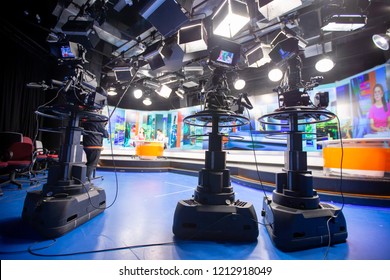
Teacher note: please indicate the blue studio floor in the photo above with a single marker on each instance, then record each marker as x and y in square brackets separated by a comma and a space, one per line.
[137, 225]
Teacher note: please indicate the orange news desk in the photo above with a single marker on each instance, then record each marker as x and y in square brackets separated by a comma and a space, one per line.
[361, 156]
[146, 149]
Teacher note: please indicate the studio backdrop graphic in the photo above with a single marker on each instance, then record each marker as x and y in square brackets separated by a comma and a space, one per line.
[350, 99]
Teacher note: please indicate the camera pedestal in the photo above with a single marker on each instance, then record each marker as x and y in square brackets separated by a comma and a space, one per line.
[213, 213]
[67, 200]
[295, 218]
[54, 216]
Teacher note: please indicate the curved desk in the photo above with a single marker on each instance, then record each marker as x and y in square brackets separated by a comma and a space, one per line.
[361, 156]
[149, 149]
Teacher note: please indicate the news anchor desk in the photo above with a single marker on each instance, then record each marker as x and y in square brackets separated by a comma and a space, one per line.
[361, 156]
[147, 149]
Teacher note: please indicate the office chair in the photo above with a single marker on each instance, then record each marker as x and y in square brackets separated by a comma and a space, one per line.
[42, 157]
[19, 162]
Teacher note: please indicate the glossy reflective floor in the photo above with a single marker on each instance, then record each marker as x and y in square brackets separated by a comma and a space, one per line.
[137, 225]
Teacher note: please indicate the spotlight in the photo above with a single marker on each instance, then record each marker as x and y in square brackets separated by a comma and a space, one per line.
[147, 101]
[112, 91]
[344, 22]
[230, 18]
[325, 64]
[275, 74]
[238, 83]
[193, 37]
[137, 93]
[382, 41]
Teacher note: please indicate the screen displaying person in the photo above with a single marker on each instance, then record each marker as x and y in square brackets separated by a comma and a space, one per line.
[379, 113]
[141, 135]
[161, 137]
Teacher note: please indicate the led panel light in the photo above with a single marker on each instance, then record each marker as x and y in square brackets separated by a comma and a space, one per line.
[271, 9]
[192, 38]
[124, 74]
[165, 15]
[230, 18]
[153, 56]
[344, 23]
[164, 91]
[193, 69]
[253, 55]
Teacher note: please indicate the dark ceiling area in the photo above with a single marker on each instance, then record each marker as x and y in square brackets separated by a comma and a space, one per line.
[123, 32]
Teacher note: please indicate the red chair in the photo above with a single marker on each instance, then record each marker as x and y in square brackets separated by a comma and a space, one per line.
[20, 161]
[42, 158]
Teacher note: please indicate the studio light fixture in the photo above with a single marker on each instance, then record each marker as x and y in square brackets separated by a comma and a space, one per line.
[275, 74]
[147, 101]
[166, 16]
[253, 55]
[382, 40]
[287, 33]
[137, 93]
[271, 9]
[124, 74]
[151, 84]
[81, 31]
[192, 37]
[344, 22]
[230, 18]
[193, 69]
[164, 91]
[258, 55]
[180, 92]
[238, 83]
[168, 78]
[156, 53]
[112, 91]
[325, 64]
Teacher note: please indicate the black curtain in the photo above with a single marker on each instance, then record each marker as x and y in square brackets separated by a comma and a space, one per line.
[23, 61]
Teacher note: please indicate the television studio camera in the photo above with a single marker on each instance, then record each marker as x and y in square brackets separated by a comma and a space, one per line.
[68, 199]
[213, 213]
[295, 218]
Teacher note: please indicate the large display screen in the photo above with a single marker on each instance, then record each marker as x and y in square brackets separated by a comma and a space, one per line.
[350, 99]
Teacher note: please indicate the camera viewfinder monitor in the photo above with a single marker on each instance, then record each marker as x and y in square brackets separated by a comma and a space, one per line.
[66, 52]
[69, 50]
[223, 52]
[225, 57]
